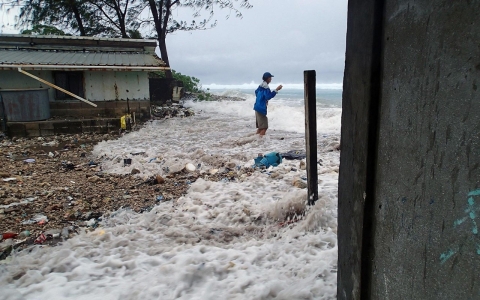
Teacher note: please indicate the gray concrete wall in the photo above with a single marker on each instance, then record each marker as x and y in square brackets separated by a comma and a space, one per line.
[413, 234]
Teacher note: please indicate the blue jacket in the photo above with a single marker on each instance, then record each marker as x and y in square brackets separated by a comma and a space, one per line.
[263, 94]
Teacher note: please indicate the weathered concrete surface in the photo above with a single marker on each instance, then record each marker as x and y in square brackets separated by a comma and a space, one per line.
[360, 95]
[108, 109]
[55, 127]
[416, 236]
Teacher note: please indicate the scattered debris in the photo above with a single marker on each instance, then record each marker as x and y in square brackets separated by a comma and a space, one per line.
[294, 154]
[9, 235]
[40, 239]
[299, 183]
[267, 160]
[303, 165]
[170, 111]
[66, 189]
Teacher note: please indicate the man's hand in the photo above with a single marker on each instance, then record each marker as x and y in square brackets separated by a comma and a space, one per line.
[279, 88]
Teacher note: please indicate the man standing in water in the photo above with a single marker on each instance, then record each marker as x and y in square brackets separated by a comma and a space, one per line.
[263, 94]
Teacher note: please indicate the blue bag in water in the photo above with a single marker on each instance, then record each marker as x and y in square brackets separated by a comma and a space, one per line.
[270, 159]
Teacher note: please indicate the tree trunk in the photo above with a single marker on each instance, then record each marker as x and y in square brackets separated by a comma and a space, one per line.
[158, 20]
[78, 18]
[121, 20]
[163, 52]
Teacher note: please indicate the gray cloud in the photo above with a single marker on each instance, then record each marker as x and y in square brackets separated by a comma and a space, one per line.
[279, 36]
[283, 37]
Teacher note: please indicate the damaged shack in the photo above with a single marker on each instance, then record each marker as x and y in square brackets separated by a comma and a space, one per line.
[64, 84]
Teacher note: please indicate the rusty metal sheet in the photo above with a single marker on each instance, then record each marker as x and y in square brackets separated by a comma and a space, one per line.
[24, 105]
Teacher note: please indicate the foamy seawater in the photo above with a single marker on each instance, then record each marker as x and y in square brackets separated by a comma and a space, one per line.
[222, 240]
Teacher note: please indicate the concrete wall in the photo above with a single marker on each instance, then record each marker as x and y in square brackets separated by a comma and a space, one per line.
[409, 186]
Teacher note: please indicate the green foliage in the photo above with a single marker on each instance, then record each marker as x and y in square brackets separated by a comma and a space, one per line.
[204, 96]
[111, 18]
[44, 30]
[190, 84]
[134, 34]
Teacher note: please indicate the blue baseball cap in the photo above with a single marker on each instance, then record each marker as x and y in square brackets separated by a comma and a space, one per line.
[267, 75]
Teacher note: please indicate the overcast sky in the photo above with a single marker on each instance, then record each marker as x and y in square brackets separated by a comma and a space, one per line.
[279, 36]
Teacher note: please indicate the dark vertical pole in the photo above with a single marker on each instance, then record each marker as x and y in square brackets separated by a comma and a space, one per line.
[311, 134]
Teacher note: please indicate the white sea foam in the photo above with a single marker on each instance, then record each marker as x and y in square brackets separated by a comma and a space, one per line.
[283, 114]
[253, 85]
[222, 240]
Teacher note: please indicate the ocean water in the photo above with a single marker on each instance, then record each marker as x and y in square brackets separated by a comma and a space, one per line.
[286, 111]
[222, 240]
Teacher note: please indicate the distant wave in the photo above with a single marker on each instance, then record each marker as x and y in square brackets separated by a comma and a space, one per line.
[253, 85]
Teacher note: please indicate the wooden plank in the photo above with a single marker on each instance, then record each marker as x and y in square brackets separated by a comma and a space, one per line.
[311, 135]
[56, 87]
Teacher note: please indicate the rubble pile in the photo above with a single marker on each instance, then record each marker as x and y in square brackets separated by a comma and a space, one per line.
[52, 184]
[170, 111]
[52, 188]
[211, 97]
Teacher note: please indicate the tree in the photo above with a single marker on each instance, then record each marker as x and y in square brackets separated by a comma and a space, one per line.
[111, 18]
[63, 14]
[164, 23]
[119, 17]
[44, 30]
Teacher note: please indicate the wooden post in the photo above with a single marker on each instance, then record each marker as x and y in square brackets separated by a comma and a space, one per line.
[311, 134]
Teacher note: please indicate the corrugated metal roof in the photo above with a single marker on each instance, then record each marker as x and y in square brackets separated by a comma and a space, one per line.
[68, 38]
[25, 58]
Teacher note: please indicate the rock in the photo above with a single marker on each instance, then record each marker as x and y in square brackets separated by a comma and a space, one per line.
[135, 171]
[303, 165]
[12, 209]
[334, 146]
[190, 167]
[231, 165]
[159, 179]
[274, 175]
[4, 174]
[297, 182]
[53, 207]
[94, 179]
[70, 216]
[213, 171]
